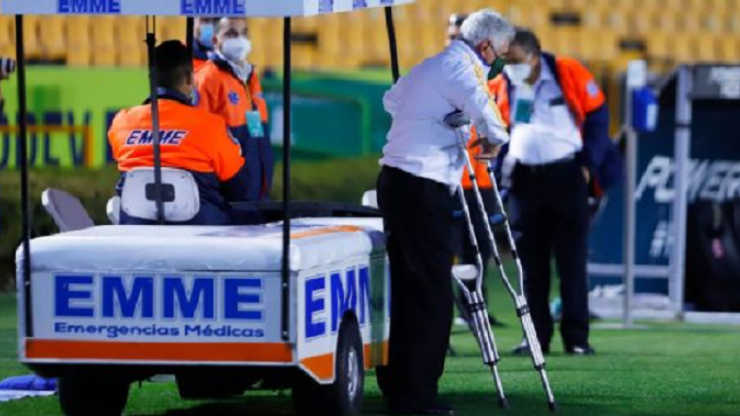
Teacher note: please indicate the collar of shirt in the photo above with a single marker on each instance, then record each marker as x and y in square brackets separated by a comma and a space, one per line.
[168, 94]
[470, 51]
[242, 71]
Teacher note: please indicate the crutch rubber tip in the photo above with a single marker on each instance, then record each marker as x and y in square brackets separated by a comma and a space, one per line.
[552, 406]
[504, 403]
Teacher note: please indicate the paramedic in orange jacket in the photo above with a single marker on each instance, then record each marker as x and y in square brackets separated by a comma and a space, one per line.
[558, 121]
[191, 139]
[230, 87]
[204, 39]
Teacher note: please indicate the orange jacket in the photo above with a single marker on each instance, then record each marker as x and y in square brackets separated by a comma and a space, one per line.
[190, 138]
[221, 92]
[198, 64]
[479, 167]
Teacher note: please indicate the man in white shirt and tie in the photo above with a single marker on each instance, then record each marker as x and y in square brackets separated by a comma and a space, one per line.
[421, 169]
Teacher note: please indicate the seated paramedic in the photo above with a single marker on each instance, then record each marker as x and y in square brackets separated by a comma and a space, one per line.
[204, 37]
[230, 87]
[191, 139]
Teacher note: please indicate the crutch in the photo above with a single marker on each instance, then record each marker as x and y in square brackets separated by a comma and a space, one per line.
[499, 219]
[470, 280]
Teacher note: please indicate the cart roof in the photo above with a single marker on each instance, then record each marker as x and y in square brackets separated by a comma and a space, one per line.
[250, 8]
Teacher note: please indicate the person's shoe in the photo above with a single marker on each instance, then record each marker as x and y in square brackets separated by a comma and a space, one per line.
[523, 349]
[495, 322]
[437, 409]
[580, 350]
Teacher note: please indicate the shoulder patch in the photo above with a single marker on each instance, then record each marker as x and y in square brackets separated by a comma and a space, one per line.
[233, 98]
[592, 89]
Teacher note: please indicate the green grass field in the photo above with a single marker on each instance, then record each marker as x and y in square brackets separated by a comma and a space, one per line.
[668, 369]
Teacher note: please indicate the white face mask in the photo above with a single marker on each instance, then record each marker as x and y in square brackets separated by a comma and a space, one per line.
[236, 49]
[518, 73]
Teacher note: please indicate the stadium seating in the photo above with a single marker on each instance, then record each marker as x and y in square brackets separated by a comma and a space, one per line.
[665, 32]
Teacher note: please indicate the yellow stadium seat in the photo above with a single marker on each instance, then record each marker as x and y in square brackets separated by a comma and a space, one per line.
[732, 24]
[659, 45]
[595, 18]
[78, 41]
[51, 37]
[104, 48]
[131, 36]
[728, 49]
[705, 48]
[31, 37]
[174, 28]
[711, 22]
[7, 35]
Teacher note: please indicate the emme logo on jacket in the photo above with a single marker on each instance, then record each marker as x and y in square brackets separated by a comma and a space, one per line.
[166, 137]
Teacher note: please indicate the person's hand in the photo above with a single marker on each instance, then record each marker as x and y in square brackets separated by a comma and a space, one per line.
[586, 174]
[487, 150]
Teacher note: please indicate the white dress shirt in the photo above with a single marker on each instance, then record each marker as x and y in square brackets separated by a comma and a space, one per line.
[419, 142]
[551, 133]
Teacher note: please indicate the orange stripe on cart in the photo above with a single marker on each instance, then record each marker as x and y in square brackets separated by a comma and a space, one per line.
[325, 231]
[153, 351]
[322, 366]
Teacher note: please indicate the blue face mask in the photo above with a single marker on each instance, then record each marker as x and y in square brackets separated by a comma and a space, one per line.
[206, 35]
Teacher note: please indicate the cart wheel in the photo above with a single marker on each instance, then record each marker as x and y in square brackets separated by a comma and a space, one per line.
[83, 393]
[344, 396]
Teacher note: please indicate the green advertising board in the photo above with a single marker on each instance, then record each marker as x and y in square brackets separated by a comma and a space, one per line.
[71, 109]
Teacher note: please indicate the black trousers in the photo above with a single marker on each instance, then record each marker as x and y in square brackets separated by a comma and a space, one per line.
[419, 224]
[548, 209]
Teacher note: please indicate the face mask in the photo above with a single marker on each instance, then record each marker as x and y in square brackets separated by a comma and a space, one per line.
[497, 67]
[236, 49]
[518, 73]
[206, 35]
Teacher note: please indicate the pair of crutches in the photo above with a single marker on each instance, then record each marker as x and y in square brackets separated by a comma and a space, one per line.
[470, 277]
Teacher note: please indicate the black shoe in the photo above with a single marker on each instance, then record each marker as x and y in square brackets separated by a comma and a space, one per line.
[495, 322]
[437, 409]
[523, 349]
[580, 350]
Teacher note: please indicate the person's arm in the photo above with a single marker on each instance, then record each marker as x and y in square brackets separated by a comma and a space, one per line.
[390, 98]
[207, 92]
[595, 130]
[229, 165]
[467, 90]
[255, 90]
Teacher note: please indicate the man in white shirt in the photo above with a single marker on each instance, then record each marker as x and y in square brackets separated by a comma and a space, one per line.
[422, 166]
[559, 145]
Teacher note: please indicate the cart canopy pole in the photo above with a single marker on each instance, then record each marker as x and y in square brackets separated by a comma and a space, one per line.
[189, 35]
[23, 149]
[392, 43]
[286, 178]
[151, 41]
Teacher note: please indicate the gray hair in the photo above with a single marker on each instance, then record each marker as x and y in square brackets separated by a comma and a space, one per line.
[487, 25]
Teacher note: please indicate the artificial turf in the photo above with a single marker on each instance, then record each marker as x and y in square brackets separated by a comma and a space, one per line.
[666, 369]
